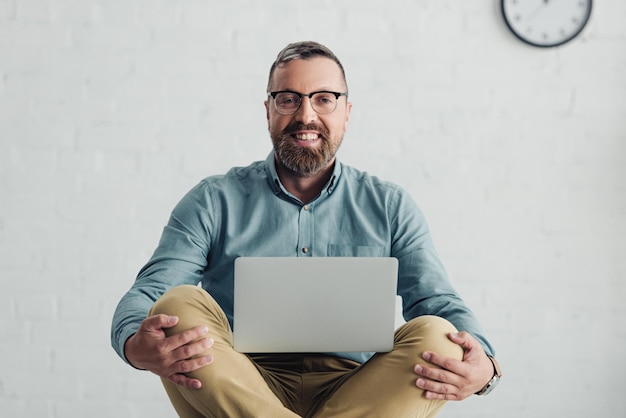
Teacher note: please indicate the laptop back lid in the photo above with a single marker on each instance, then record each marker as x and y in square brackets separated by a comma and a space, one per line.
[314, 304]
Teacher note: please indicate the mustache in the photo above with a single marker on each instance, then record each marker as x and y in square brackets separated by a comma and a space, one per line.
[297, 126]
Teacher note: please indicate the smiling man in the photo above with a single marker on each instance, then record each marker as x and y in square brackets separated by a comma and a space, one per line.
[306, 138]
[182, 332]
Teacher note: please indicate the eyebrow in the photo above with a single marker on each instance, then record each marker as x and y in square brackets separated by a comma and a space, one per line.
[328, 89]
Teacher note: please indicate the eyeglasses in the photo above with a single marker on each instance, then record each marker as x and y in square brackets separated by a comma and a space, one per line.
[288, 102]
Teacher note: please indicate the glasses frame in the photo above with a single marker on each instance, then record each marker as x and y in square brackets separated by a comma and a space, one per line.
[337, 95]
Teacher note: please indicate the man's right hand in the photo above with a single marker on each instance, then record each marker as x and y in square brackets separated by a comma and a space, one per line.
[169, 357]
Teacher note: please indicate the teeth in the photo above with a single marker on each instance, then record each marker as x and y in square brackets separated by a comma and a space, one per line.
[306, 137]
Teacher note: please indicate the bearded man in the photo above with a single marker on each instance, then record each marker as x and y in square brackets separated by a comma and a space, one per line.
[299, 202]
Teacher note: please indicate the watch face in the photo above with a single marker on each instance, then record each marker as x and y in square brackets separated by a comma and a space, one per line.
[546, 23]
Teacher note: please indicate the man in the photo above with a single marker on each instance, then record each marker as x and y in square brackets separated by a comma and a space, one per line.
[299, 202]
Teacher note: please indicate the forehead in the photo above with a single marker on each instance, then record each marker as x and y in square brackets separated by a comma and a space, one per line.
[307, 75]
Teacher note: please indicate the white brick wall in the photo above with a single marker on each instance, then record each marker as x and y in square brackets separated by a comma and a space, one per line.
[111, 110]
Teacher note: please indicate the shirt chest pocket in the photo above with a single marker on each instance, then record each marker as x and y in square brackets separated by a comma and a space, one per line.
[335, 250]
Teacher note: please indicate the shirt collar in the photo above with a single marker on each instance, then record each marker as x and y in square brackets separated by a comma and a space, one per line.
[277, 186]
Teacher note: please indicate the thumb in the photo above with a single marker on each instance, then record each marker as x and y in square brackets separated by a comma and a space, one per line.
[456, 338]
[157, 322]
[471, 347]
[463, 339]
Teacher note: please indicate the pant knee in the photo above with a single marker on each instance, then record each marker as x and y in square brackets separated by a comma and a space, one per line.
[193, 306]
[429, 333]
[431, 324]
[172, 300]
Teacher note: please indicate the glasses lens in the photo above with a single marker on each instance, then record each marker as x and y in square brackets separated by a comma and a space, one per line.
[324, 102]
[287, 103]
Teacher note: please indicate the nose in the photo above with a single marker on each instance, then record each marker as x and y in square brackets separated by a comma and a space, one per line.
[305, 113]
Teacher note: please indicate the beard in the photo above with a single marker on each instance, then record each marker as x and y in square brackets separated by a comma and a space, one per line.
[304, 161]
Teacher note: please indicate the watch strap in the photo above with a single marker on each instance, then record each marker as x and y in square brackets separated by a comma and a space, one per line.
[491, 384]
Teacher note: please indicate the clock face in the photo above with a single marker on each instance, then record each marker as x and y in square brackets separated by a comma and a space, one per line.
[546, 23]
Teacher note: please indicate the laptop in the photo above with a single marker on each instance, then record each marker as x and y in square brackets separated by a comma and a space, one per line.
[314, 304]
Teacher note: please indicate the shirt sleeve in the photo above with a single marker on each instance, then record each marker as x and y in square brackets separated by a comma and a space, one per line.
[423, 282]
[180, 258]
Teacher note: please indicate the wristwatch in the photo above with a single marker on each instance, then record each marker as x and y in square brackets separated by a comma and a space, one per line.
[497, 374]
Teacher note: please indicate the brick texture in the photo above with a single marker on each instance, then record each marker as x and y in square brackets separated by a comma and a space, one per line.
[111, 110]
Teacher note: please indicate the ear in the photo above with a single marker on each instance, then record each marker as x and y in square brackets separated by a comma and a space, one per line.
[267, 112]
[348, 109]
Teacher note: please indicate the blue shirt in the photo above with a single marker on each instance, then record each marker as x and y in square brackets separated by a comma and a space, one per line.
[248, 212]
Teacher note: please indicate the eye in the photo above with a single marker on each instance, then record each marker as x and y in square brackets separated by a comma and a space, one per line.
[286, 99]
[324, 98]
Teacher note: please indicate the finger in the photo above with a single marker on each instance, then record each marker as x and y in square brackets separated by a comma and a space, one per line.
[437, 390]
[463, 339]
[445, 362]
[184, 381]
[178, 340]
[157, 322]
[193, 364]
[437, 375]
[193, 349]
[456, 337]
[188, 366]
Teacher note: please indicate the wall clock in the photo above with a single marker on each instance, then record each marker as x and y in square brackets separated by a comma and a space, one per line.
[546, 23]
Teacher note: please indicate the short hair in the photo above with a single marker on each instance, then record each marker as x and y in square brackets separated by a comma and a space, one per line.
[304, 50]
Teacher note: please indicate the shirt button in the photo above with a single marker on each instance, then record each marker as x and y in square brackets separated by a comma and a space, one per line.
[305, 250]
[305, 207]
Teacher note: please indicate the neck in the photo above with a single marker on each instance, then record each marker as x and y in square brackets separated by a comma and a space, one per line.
[305, 188]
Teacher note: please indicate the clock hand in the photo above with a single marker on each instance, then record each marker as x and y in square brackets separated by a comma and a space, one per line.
[539, 9]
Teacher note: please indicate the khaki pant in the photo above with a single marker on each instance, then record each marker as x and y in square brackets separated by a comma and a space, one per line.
[237, 385]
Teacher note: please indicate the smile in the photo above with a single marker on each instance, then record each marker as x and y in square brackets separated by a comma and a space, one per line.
[306, 136]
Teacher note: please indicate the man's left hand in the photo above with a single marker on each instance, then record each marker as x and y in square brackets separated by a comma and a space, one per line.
[455, 380]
